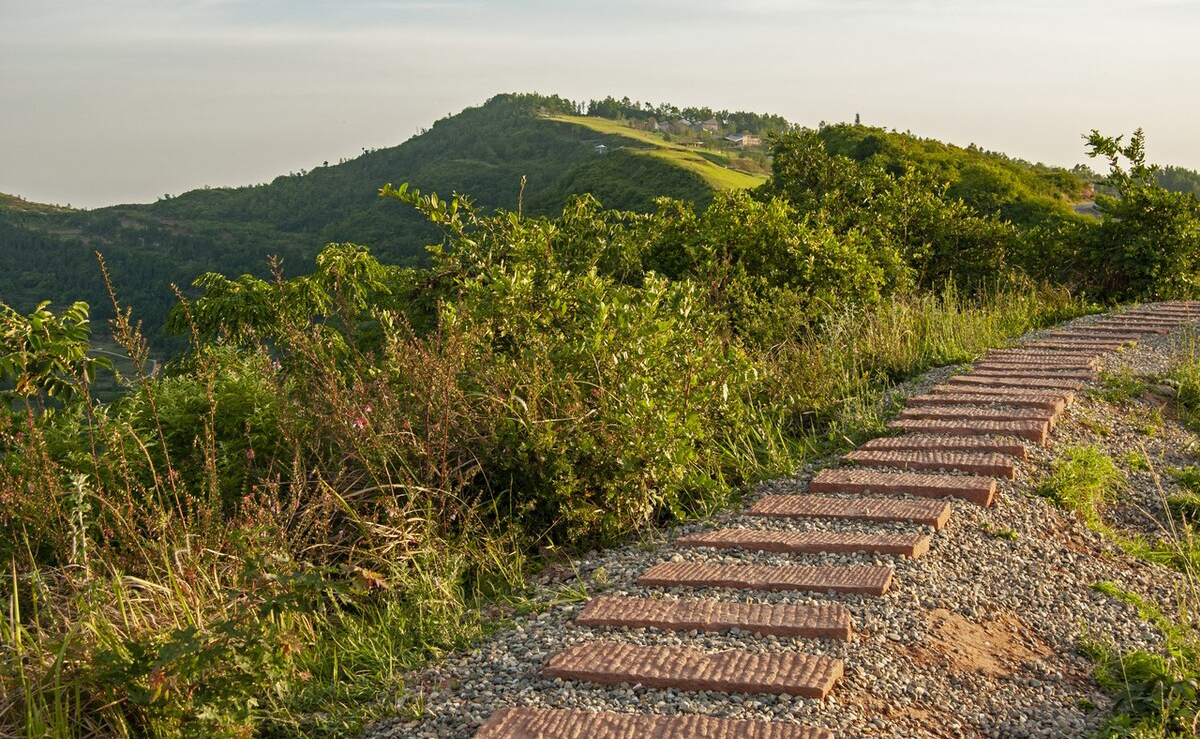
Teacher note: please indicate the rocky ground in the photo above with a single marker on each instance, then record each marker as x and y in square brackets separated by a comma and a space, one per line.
[976, 639]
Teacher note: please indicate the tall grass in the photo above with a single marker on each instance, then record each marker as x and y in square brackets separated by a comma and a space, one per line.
[267, 542]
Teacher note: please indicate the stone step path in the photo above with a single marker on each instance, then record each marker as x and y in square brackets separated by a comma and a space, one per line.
[1066, 397]
[548, 723]
[970, 413]
[613, 663]
[859, 579]
[882, 510]
[962, 435]
[810, 542]
[921, 443]
[978, 490]
[976, 463]
[829, 620]
[1018, 399]
[1035, 431]
[1043, 383]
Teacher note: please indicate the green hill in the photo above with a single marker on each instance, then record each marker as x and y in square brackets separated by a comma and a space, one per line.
[484, 151]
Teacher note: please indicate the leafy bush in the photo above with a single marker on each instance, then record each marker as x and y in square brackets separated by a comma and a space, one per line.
[1148, 243]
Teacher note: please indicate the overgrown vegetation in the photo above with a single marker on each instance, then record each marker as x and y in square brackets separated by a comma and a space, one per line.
[346, 462]
[1157, 693]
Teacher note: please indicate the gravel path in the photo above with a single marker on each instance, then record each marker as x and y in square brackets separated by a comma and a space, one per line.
[976, 639]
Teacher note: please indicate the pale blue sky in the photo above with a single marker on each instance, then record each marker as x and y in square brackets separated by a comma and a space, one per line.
[106, 101]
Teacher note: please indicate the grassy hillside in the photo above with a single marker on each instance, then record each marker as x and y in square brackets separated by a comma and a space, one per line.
[484, 151]
[714, 168]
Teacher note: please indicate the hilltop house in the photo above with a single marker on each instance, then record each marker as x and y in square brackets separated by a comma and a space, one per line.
[712, 125]
[742, 140]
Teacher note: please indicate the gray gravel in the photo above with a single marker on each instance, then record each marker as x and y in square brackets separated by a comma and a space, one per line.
[1020, 574]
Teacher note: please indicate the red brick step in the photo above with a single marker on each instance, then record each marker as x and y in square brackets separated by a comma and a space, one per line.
[613, 663]
[810, 542]
[551, 723]
[830, 620]
[933, 513]
[1140, 328]
[957, 413]
[978, 490]
[1032, 430]
[1041, 383]
[1090, 334]
[1019, 399]
[997, 465]
[862, 579]
[946, 443]
[1035, 374]
[1066, 396]
[1063, 344]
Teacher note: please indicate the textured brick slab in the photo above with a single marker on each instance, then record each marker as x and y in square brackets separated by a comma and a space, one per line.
[1146, 321]
[1047, 353]
[1021, 400]
[1030, 382]
[1061, 360]
[947, 443]
[933, 513]
[976, 463]
[732, 671]
[810, 542]
[830, 620]
[979, 490]
[1031, 368]
[1035, 374]
[1139, 328]
[956, 413]
[550, 723]
[861, 579]
[1062, 344]
[1066, 396]
[1041, 361]
[1092, 334]
[1032, 430]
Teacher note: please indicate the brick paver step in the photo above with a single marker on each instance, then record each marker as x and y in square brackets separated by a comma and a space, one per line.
[1064, 344]
[978, 490]
[997, 465]
[1031, 368]
[1140, 328]
[1145, 320]
[863, 579]
[1041, 360]
[996, 445]
[1171, 311]
[1021, 400]
[731, 671]
[1035, 374]
[1032, 430]
[810, 542]
[1035, 357]
[1066, 396]
[1042, 383]
[553, 723]
[1092, 334]
[933, 513]
[830, 620]
[1047, 353]
[955, 413]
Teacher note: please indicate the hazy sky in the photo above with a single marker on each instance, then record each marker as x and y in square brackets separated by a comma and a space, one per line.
[107, 101]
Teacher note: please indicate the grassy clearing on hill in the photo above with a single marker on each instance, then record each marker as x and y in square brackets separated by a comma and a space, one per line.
[712, 166]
